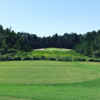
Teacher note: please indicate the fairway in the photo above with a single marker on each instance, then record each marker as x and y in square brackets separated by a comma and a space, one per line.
[44, 72]
[49, 80]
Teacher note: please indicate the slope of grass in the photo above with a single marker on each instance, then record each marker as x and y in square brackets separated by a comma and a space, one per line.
[56, 49]
[49, 70]
[54, 52]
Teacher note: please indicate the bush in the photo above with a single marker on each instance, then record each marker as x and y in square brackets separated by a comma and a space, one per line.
[78, 59]
[81, 59]
[67, 58]
[59, 59]
[8, 58]
[27, 58]
[52, 57]
[91, 60]
[11, 50]
[36, 57]
[98, 60]
[75, 59]
[17, 58]
[2, 58]
[64, 58]
[44, 57]
[2, 51]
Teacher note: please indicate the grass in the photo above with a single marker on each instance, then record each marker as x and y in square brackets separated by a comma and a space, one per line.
[12, 98]
[56, 49]
[49, 80]
[47, 52]
[44, 72]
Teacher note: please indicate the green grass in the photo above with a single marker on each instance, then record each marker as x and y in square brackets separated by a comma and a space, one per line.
[56, 49]
[53, 52]
[49, 80]
[12, 98]
[44, 72]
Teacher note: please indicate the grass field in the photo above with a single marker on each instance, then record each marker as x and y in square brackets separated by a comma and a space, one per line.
[49, 80]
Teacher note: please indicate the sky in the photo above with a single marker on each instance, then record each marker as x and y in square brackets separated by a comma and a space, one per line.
[47, 17]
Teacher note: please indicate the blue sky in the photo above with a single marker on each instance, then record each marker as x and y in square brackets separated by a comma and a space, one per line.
[47, 17]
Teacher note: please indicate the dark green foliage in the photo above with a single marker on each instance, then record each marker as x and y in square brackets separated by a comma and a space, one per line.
[2, 51]
[27, 58]
[64, 58]
[44, 57]
[96, 53]
[98, 60]
[90, 45]
[11, 50]
[82, 59]
[3, 59]
[9, 58]
[17, 58]
[37, 57]
[91, 59]
[87, 44]
[78, 59]
[10, 40]
[75, 59]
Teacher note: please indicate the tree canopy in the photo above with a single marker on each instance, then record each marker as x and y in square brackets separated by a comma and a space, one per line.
[87, 44]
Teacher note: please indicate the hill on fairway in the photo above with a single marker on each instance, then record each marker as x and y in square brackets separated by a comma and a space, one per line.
[53, 49]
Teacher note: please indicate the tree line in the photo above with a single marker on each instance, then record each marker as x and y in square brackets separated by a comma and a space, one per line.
[87, 44]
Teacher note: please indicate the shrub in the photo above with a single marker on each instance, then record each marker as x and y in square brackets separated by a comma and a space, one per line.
[11, 50]
[27, 58]
[91, 60]
[81, 59]
[59, 59]
[98, 60]
[64, 58]
[78, 59]
[67, 58]
[2, 58]
[44, 57]
[3, 51]
[17, 58]
[12, 54]
[36, 57]
[52, 57]
[8, 58]
[75, 59]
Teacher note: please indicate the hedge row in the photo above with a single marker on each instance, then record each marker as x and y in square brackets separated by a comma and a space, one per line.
[9, 58]
[56, 58]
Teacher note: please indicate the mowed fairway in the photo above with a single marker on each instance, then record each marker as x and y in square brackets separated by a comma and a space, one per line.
[49, 80]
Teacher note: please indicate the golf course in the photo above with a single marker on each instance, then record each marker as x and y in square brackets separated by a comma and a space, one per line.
[57, 67]
[49, 80]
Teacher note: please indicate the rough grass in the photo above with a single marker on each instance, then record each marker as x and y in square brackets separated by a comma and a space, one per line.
[87, 86]
[53, 52]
